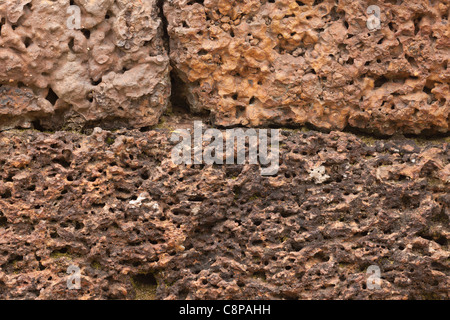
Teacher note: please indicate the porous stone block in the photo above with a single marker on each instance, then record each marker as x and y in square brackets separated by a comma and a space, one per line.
[111, 70]
[114, 205]
[326, 63]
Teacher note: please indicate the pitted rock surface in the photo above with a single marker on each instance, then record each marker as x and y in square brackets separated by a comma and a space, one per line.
[113, 71]
[295, 62]
[139, 226]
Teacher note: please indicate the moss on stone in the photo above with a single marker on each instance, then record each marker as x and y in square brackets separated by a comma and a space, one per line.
[145, 286]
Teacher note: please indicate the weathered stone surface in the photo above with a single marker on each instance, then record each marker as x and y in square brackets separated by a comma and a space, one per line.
[140, 227]
[282, 62]
[113, 72]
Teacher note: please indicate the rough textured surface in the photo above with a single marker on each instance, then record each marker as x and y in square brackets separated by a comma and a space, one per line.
[258, 62]
[140, 227]
[113, 72]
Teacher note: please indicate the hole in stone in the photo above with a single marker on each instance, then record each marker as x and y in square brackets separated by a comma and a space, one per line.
[86, 33]
[27, 42]
[51, 97]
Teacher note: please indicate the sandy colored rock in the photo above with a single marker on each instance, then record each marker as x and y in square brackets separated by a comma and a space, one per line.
[139, 226]
[295, 62]
[112, 71]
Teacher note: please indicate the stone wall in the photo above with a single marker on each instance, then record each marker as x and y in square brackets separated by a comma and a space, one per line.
[86, 179]
[250, 63]
[140, 227]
